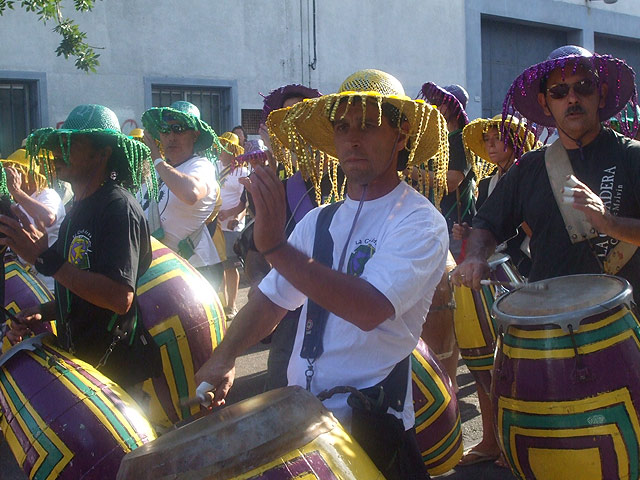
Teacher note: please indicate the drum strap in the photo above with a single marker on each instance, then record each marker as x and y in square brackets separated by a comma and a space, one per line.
[316, 315]
[558, 166]
[578, 227]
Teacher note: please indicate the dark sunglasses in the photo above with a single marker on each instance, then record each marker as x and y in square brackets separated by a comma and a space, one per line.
[584, 88]
[175, 128]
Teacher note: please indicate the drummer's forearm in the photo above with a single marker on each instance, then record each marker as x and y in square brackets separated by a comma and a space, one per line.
[480, 244]
[623, 228]
[255, 321]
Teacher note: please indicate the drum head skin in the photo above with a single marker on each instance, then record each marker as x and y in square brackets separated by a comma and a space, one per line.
[562, 300]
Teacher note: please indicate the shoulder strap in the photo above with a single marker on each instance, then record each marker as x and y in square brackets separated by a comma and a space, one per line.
[558, 167]
[299, 202]
[316, 315]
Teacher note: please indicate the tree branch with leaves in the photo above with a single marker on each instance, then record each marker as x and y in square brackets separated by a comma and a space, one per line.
[73, 41]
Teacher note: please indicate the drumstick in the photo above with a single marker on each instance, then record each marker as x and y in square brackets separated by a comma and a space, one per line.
[528, 286]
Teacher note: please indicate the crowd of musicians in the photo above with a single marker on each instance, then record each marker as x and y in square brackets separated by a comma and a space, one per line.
[341, 292]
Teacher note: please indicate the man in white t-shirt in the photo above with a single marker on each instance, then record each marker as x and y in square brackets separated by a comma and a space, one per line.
[187, 190]
[42, 204]
[388, 246]
[232, 213]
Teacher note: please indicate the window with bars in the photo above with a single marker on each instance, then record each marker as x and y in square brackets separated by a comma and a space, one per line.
[214, 102]
[18, 113]
[251, 119]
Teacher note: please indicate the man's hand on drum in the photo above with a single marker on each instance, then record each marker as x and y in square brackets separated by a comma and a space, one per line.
[21, 236]
[470, 272]
[27, 317]
[269, 199]
[220, 372]
[460, 232]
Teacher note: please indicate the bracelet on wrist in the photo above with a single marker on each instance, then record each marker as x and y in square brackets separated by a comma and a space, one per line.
[157, 161]
[49, 262]
[274, 249]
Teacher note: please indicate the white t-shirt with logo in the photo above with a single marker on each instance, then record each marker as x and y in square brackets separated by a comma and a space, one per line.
[179, 219]
[231, 190]
[399, 246]
[52, 201]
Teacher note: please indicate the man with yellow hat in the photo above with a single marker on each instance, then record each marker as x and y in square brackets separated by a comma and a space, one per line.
[42, 204]
[365, 269]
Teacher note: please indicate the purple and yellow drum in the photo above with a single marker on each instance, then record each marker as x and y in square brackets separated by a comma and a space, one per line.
[63, 419]
[566, 382]
[283, 434]
[438, 426]
[475, 329]
[186, 319]
[22, 290]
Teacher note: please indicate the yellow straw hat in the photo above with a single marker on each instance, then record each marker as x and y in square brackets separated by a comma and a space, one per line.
[231, 143]
[472, 136]
[20, 160]
[306, 128]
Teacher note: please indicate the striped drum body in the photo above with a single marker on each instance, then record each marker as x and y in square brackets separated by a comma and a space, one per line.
[62, 419]
[474, 326]
[438, 426]
[283, 434]
[22, 290]
[185, 317]
[566, 386]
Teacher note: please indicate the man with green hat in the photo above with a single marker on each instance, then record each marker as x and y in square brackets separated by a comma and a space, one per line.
[365, 269]
[188, 189]
[102, 249]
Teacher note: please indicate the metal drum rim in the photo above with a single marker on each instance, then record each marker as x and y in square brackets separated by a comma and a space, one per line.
[500, 258]
[563, 320]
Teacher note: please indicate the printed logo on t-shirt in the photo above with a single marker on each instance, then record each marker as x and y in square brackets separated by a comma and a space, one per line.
[79, 250]
[359, 258]
[611, 195]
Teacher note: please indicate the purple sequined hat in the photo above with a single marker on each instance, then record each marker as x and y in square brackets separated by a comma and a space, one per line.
[277, 97]
[522, 97]
[454, 95]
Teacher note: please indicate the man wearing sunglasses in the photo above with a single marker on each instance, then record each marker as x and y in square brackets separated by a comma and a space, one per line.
[188, 189]
[580, 195]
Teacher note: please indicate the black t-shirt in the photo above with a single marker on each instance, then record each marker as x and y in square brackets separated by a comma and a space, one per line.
[458, 161]
[610, 168]
[106, 233]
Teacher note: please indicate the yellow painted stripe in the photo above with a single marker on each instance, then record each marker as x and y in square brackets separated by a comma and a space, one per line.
[531, 354]
[158, 280]
[444, 439]
[441, 387]
[558, 332]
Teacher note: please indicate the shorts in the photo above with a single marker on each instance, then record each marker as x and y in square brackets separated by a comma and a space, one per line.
[230, 238]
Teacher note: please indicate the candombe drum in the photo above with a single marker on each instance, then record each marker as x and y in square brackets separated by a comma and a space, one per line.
[438, 427]
[63, 419]
[475, 329]
[283, 434]
[185, 317]
[22, 290]
[566, 382]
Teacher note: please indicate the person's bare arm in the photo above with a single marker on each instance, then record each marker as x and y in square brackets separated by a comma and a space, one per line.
[480, 245]
[351, 298]
[257, 319]
[36, 210]
[454, 179]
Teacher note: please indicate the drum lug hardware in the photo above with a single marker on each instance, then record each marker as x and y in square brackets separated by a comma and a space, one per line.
[581, 373]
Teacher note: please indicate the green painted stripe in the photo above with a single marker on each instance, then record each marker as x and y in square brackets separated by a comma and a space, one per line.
[217, 321]
[475, 362]
[42, 295]
[53, 454]
[168, 339]
[166, 266]
[452, 438]
[96, 400]
[585, 338]
[431, 385]
[613, 414]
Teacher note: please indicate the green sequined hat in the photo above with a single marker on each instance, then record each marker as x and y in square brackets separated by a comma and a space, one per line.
[130, 159]
[188, 114]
